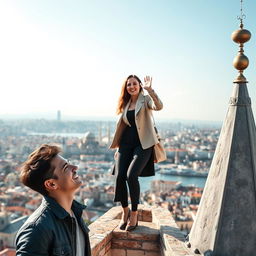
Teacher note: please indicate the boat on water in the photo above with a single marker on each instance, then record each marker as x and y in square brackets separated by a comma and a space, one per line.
[183, 172]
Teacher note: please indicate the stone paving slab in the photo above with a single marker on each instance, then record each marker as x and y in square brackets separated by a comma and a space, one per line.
[145, 231]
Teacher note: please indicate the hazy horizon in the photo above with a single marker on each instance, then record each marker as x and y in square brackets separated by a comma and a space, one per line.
[52, 117]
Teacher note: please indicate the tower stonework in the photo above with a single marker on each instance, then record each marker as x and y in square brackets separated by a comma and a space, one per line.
[225, 224]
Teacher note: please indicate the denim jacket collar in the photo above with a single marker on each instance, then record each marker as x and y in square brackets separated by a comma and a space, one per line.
[59, 211]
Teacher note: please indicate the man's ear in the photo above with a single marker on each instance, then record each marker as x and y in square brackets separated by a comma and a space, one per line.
[50, 185]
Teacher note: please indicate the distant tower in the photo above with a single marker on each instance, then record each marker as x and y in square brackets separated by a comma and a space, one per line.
[108, 132]
[225, 223]
[4, 218]
[100, 133]
[58, 115]
[177, 156]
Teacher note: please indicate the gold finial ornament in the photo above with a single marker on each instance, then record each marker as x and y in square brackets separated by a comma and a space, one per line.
[240, 62]
[241, 36]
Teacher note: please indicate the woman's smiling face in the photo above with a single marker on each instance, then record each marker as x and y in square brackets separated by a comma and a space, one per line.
[133, 86]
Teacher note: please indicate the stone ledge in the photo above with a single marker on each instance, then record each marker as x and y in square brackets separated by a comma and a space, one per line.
[155, 224]
[146, 231]
[171, 238]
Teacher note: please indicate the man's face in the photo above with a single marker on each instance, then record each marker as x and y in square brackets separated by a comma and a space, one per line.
[67, 179]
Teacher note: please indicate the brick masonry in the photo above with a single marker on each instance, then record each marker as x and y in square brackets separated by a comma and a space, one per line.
[156, 235]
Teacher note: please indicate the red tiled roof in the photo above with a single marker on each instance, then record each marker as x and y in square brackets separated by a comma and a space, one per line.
[8, 252]
[17, 209]
[34, 202]
[196, 195]
[176, 150]
[166, 182]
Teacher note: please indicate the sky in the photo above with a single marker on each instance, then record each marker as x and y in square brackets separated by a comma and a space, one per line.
[73, 56]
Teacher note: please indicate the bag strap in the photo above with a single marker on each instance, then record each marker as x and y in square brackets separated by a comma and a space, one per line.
[154, 123]
[153, 119]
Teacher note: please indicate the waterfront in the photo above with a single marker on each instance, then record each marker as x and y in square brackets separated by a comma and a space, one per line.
[186, 181]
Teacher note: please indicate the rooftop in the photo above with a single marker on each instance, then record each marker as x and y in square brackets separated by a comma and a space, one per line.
[8, 252]
[15, 225]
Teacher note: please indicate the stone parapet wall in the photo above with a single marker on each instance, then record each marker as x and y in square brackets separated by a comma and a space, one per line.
[144, 240]
[156, 235]
[172, 240]
[101, 232]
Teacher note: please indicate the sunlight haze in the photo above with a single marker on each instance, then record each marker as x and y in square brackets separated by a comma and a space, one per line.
[74, 55]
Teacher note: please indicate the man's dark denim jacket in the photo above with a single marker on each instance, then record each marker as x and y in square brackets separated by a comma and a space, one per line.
[50, 230]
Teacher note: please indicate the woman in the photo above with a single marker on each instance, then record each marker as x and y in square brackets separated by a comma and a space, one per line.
[134, 139]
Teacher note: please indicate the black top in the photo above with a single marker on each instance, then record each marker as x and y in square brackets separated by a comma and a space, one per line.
[130, 135]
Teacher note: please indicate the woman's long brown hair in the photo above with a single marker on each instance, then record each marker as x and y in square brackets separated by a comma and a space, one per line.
[124, 95]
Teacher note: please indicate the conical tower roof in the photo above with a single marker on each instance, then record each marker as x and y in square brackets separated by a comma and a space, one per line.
[226, 219]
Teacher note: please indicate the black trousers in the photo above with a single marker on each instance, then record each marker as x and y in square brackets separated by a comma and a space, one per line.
[129, 164]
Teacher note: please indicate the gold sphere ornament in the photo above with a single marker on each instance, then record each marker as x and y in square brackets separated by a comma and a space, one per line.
[240, 62]
[241, 36]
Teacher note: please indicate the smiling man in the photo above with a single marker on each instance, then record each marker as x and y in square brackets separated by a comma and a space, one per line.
[56, 227]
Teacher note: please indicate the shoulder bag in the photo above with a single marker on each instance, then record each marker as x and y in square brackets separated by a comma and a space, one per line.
[159, 152]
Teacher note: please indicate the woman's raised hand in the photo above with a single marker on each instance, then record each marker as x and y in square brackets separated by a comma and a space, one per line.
[147, 83]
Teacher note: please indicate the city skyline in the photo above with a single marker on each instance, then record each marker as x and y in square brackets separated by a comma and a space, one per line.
[74, 57]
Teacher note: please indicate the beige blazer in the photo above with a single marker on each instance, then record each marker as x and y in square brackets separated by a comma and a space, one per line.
[143, 119]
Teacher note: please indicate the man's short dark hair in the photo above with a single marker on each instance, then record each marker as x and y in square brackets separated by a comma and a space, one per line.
[37, 168]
